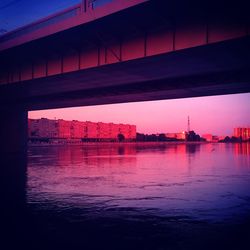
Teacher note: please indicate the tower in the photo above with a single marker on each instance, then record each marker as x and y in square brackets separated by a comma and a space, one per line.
[188, 125]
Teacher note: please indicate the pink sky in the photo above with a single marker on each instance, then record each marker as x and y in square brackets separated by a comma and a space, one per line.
[216, 114]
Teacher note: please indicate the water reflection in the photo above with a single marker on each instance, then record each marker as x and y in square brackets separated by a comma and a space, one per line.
[242, 148]
[242, 153]
[198, 181]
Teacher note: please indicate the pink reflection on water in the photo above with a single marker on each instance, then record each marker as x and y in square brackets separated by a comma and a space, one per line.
[200, 180]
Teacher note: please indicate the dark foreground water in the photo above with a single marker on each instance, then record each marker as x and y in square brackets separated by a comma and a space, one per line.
[144, 196]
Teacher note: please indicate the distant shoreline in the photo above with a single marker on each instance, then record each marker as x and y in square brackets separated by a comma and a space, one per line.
[120, 143]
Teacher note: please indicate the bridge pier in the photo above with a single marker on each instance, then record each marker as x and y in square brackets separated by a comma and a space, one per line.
[14, 129]
[13, 166]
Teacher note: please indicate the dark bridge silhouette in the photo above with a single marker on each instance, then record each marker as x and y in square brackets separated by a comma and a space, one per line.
[101, 52]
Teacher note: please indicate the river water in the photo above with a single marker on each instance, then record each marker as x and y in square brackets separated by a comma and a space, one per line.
[140, 196]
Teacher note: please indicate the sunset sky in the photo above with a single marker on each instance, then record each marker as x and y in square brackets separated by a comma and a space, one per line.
[217, 114]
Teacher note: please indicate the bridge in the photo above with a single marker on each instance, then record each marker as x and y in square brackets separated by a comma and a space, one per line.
[110, 51]
[104, 51]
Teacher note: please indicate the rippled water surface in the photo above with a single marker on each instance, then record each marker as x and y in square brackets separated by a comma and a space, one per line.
[164, 193]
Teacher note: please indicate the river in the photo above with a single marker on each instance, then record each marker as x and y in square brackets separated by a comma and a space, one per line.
[140, 196]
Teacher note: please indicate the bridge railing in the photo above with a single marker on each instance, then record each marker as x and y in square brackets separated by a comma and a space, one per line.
[84, 6]
[97, 3]
[52, 19]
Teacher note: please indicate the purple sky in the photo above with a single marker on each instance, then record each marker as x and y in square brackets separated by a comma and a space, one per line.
[16, 13]
[216, 114]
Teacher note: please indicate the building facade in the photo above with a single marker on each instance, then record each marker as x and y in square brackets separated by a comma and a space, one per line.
[212, 138]
[177, 136]
[243, 133]
[85, 131]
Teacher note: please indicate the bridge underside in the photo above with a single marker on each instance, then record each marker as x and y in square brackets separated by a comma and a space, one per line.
[215, 69]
